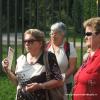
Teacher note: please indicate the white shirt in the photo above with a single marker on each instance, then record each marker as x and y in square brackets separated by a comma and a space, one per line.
[25, 71]
[62, 58]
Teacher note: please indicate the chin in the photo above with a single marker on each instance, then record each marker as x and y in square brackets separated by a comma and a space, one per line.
[27, 50]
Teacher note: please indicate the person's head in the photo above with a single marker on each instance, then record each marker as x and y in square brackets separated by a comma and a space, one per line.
[58, 31]
[34, 39]
[92, 32]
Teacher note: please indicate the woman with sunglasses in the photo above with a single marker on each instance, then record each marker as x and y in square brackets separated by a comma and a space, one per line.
[88, 45]
[87, 79]
[30, 73]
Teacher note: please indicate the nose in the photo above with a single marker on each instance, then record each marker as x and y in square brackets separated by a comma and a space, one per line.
[55, 33]
[27, 44]
[85, 37]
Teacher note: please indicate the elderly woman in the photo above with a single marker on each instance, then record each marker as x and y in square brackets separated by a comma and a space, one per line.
[87, 79]
[64, 52]
[30, 73]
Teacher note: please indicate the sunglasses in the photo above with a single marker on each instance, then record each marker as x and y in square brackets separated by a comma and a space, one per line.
[30, 41]
[88, 33]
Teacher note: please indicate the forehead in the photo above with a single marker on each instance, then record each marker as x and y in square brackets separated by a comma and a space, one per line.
[28, 36]
[57, 33]
[88, 29]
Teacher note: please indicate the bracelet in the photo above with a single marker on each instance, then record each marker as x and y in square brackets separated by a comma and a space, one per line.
[42, 86]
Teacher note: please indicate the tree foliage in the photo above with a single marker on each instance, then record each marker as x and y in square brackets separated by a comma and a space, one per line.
[42, 13]
[77, 15]
[89, 9]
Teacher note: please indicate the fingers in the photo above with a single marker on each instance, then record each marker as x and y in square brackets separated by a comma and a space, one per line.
[32, 87]
[30, 84]
[5, 64]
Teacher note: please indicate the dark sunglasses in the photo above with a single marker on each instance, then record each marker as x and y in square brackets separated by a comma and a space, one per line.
[88, 33]
[30, 41]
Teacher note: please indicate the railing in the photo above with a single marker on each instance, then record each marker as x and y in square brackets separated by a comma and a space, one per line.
[18, 15]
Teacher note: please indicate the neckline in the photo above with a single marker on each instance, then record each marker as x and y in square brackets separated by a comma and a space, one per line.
[37, 58]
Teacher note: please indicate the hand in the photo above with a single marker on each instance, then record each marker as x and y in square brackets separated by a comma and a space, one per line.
[5, 64]
[32, 87]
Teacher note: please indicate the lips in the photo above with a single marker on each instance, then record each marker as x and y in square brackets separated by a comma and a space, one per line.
[27, 47]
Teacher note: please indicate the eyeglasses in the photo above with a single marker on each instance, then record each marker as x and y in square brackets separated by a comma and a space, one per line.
[88, 33]
[30, 41]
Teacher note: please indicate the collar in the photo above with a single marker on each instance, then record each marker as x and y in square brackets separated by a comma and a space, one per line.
[97, 52]
[62, 45]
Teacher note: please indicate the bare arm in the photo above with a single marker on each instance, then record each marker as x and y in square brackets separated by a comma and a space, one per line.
[12, 77]
[9, 73]
[71, 68]
[46, 85]
[52, 84]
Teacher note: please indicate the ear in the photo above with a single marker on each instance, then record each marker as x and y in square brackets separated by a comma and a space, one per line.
[41, 43]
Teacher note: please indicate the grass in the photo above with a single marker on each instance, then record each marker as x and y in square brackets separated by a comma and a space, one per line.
[7, 90]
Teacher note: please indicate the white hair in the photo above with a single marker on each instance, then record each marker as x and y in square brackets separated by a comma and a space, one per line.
[58, 27]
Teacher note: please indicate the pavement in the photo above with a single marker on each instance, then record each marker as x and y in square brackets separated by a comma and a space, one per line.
[19, 40]
[12, 39]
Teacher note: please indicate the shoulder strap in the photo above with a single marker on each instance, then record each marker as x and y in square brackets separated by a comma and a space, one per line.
[67, 49]
[46, 63]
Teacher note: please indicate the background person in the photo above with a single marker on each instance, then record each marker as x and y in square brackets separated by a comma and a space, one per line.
[87, 79]
[30, 73]
[56, 46]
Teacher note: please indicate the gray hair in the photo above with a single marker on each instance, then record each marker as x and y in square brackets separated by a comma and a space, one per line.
[58, 27]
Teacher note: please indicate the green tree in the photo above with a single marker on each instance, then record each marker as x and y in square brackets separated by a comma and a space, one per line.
[77, 16]
[89, 9]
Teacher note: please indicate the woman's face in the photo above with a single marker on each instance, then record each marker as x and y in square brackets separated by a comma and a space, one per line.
[57, 38]
[31, 44]
[88, 39]
[91, 38]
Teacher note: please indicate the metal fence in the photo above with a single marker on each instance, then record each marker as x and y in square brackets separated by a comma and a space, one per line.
[18, 15]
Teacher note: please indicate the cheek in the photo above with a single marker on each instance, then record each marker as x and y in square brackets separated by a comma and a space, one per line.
[52, 36]
[37, 45]
[88, 40]
[94, 41]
